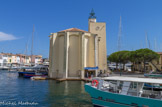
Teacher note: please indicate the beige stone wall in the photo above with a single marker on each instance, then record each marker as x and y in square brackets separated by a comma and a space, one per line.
[159, 63]
[70, 52]
[74, 51]
[56, 55]
[156, 64]
[61, 56]
[100, 30]
[51, 56]
[91, 53]
[86, 51]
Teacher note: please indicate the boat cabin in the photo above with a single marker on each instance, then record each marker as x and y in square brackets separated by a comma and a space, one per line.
[131, 86]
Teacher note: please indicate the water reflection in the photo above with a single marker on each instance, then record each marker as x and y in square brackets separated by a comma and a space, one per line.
[68, 94]
[46, 93]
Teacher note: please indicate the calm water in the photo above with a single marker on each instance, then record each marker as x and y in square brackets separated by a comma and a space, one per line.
[15, 91]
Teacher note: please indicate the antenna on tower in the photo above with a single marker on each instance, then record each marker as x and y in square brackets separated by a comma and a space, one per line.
[119, 35]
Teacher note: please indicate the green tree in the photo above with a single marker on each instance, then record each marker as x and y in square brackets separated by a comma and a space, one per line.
[146, 55]
[136, 57]
[119, 57]
[124, 57]
[114, 57]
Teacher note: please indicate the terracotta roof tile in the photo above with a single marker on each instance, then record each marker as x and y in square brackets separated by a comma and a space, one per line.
[73, 30]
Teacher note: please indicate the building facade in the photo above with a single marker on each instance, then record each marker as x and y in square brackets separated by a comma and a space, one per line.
[9, 59]
[99, 28]
[74, 53]
[156, 65]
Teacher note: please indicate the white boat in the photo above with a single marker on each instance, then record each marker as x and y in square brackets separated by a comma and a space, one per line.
[38, 78]
[125, 92]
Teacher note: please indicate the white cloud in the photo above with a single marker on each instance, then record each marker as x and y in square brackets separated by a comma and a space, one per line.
[5, 36]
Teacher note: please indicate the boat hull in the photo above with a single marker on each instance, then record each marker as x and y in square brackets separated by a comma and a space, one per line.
[21, 74]
[108, 99]
[31, 74]
[153, 75]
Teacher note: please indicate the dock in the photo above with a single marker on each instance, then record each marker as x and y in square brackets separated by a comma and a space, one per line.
[70, 79]
[74, 79]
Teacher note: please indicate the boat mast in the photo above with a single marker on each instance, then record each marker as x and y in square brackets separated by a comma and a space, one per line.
[119, 39]
[119, 35]
[26, 50]
[155, 45]
[32, 44]
[148, 45]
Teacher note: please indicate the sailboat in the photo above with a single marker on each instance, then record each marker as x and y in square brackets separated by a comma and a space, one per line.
[33, 70]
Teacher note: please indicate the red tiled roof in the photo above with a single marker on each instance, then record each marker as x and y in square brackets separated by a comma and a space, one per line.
[73, 30]
[7, 54]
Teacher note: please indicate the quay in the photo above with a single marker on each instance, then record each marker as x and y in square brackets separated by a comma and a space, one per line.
[70, 79]
[123, 74]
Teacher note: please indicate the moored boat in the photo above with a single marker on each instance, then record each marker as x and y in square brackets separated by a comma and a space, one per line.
[38, 78]
[153, 75]
[28, 72]
[124, 92]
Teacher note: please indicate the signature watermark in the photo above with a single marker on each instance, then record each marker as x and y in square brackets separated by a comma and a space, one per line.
[15, 103]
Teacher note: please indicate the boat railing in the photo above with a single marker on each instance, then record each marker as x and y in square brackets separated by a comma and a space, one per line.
[152, 94]
[135, 90]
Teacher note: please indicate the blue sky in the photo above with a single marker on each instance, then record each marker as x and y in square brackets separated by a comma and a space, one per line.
[138, 17]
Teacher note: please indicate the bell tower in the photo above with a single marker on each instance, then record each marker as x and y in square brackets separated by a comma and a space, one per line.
[92, 17]
[99, 28]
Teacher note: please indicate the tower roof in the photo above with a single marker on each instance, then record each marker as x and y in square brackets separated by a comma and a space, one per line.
[73, 30]
[92, 15]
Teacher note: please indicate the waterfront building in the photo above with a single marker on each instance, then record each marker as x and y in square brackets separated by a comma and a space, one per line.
[45, 61]
[75, 53]
[9, 59]
[18, 59]
[14, 58]
[27, 59]
[4, 59]
[22, 58]
[38, 59]
[1, 60]
[156, 65]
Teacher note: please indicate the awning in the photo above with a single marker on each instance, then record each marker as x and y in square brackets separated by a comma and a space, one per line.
[91, 68]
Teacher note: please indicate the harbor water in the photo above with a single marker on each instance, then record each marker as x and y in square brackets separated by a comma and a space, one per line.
[20, 92]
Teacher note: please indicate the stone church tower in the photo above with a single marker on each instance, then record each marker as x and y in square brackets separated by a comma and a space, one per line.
[75, 53]
[99, 28]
